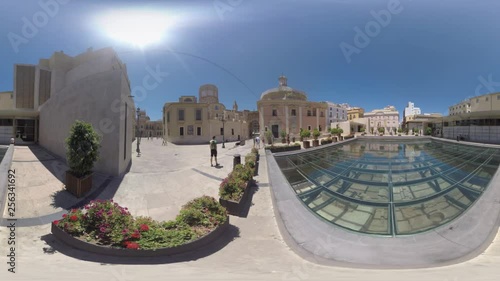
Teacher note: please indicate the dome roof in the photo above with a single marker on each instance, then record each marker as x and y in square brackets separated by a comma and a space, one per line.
[283, 92]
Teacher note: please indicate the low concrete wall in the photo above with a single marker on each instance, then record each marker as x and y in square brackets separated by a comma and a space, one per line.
[318, 241]
[4, 172]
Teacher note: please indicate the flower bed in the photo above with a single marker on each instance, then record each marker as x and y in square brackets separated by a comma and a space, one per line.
[276, 149]
[234, 189]
[105, 227]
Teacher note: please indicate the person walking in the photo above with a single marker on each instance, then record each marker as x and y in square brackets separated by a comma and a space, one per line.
[213, 151]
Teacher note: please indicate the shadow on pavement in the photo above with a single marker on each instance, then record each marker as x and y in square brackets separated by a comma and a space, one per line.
[254, 187]
[55, 246]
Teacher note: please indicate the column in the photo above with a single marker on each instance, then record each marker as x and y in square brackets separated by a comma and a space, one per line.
[300, 117]
[286, 120]
[317, 117]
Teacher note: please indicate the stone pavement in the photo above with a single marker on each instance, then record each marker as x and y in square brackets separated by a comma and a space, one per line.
[252, 250]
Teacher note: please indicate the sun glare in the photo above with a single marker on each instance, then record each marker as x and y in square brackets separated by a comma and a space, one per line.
[138, 28]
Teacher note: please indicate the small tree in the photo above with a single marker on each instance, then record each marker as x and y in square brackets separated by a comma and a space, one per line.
[304, 134]
[381, 130]
[400, 130]
[334, 131]
[316, 133]
[362, 130]
[283, 134]
[428, 131]
[269, 136]
[82, 147]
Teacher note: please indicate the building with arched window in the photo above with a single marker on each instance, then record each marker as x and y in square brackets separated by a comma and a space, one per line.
[284, 109]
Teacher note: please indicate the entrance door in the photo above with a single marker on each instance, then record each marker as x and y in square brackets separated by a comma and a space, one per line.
[275, 130]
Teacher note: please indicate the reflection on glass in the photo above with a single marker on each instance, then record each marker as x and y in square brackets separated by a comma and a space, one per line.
[390, 188]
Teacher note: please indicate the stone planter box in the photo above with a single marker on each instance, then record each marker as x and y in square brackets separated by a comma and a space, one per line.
[277, 149]
[306, 144]
[78, 186]
[120, 252]
[236, 207]
[315, 143]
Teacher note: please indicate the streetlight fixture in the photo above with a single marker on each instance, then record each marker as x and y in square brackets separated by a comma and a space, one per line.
[137, 136]
[221, 118]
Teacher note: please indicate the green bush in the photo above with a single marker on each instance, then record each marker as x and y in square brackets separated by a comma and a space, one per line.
[316, 133]
[107, 223]
[255, 150]
[82, 148]
[304, 134]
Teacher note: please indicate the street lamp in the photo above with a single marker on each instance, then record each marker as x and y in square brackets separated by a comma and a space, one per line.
[138, 150]
[221, 118]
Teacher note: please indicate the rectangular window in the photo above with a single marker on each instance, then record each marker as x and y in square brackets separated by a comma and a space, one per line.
[222, 131]
[198, 131]
[198, 114]
[181, 114]
[168, 116]
[498, 97]
[293, 113]
[309, 128]
[314, 112]
[486, 98]
[275, 112]
[321, 114]
[232, 132]
[181, 131]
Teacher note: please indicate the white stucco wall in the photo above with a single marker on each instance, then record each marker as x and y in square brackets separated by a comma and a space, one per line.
[99, 99]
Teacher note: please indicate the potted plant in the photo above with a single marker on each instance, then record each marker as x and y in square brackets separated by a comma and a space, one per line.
[337, 132]
[362, 130]
[428, 131]
[283, 136]
[304, 134]
[269, 137]
[316, 133]
[234, 190]
[400, 131]
[82, 152]
[381, 131]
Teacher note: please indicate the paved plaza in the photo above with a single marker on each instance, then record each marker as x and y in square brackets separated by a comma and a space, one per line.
[157, 185]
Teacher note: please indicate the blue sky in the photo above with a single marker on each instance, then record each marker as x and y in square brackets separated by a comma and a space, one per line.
[432, 53]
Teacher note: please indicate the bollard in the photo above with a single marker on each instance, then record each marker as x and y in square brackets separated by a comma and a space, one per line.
[236, 160]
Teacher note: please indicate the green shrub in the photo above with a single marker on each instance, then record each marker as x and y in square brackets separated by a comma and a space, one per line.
[316, 133]
[107, 223]
[255, 150]
[232, 188]
[243, 172]
[304, 134]
[82, 148]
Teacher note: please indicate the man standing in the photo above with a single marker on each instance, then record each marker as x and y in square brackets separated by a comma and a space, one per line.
[213, 151]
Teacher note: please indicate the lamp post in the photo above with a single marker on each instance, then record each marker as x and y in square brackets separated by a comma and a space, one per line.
[138, 138]
[221, 118]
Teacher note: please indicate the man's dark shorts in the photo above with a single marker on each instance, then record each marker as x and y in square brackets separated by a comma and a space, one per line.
[213, 152]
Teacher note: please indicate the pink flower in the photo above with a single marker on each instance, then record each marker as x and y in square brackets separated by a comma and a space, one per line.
[56, 222]
[144, 227]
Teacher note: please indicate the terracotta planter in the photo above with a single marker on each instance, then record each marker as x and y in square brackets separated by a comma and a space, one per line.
[78, 186]
[306, 144]
[236, 207]
[315, 143]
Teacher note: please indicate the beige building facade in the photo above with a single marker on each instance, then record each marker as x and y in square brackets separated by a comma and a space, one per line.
[386, 118]
[50, 96]
[196, 121]
[288, 110]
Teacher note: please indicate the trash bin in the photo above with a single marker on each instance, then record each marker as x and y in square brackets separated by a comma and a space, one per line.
[236, 160]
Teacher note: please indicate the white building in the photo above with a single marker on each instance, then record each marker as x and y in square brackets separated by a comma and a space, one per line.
[50, 96]
[410, 109]
[337, 112]
[386, 118]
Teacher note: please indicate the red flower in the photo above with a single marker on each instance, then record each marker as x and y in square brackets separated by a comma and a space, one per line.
[73, 218]
[65, 215]
[136, 235]
[73, 210]
[56, 222]
[132, 245]
[144, 227]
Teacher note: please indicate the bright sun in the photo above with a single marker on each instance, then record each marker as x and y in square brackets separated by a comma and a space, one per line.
[135, 27]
